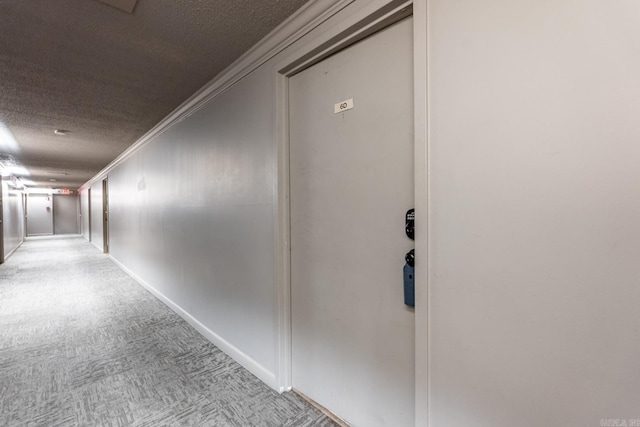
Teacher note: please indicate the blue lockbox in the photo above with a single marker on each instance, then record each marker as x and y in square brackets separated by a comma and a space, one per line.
[409, 287]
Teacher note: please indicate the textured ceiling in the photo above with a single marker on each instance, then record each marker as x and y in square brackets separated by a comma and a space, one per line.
[108, 76]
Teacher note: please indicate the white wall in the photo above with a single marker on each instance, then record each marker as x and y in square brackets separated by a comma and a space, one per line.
[192, 214]
[96, 217]
[13, 218]
[535, 212]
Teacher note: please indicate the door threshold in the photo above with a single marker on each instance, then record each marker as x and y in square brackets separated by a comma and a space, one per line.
[328, 413]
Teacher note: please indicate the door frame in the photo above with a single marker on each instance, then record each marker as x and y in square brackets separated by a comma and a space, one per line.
[105, 215]
[79, 213]
[89, 210]
[53, 215]
[358, 27]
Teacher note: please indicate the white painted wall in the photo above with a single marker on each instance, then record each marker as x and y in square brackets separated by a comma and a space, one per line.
[192, 215]
[96, 217]
[535, 212]
[13, 218]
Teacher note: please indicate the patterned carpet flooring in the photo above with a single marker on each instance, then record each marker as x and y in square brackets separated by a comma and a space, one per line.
[82, 344]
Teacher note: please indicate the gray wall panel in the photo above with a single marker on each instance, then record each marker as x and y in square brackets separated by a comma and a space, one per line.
[535, 213]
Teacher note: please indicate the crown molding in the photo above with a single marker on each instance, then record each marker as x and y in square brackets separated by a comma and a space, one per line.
[292, 29]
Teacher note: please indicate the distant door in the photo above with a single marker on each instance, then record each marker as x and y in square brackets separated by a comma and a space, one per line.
[39, 215]
[105, 215]
[65, 214]
[351, 183]
[89, 211]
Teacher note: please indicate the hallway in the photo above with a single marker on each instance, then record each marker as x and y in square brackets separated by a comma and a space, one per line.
[83, 344]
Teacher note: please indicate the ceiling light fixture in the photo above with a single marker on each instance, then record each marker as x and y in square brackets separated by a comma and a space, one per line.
[13, 169]
[53, 180]
[7, 142]
[61, 132]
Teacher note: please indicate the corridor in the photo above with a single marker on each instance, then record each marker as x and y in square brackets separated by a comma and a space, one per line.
[83, 344]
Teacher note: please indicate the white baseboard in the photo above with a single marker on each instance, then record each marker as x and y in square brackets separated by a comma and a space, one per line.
[269, 378]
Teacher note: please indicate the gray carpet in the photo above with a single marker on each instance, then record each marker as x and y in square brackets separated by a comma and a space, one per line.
[82, 344]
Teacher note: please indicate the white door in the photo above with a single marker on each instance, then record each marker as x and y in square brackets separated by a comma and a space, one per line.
[105, 216]
[351, 185]
[39, 215]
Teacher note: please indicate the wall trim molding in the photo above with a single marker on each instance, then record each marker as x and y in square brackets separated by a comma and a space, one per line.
[236, 354]
[292, 29]
[422, 190]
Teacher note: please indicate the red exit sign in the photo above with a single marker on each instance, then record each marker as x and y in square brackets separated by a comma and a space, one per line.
[66, 191]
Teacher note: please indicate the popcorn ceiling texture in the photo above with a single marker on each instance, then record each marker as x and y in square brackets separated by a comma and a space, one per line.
[109, 76]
